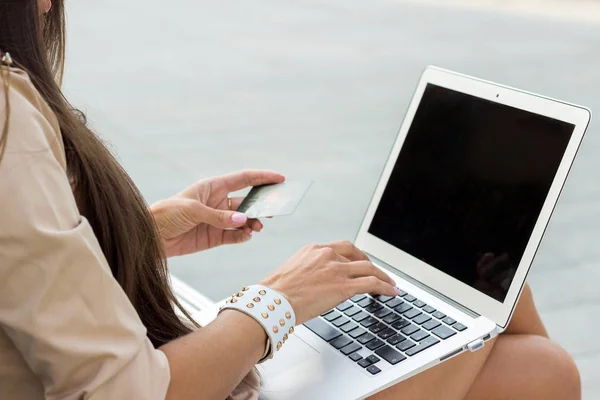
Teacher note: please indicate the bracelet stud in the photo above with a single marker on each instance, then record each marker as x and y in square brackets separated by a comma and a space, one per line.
[282, 322]
[250, 305]
[262, 292]
[265, 315]
[288, 315]
[271, 307]
[279, 346]
[275, 329]
[245, 289]
[256, 299]
[277, 301]
[291, 330]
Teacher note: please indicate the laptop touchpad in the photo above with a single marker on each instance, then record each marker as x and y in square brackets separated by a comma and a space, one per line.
[296, 365]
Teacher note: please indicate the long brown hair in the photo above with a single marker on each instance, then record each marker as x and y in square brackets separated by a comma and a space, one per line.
[105, 194]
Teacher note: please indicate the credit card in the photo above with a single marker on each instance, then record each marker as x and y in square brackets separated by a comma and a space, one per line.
[274, 200]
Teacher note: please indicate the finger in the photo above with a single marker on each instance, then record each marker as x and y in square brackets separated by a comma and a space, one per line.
[357, 269]
[255, 225]
[223, 219]
[243, 179]
[235, 202]
[348, 250]
[237, 236]
[371, 284]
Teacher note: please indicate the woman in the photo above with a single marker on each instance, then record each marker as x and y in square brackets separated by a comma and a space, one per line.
[86, 310]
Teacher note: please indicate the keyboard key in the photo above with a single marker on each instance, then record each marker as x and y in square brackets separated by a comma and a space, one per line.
[402, 308]
[374, 344]
[432, 324]
[378, 327]
[349, 327]
[395, 302]
[412, 313]
[410, 298]
[326, 312]
[344, 306]
[368, 322]
[357, 333]
[390, 355]
[373, 308]
[373, 359]
[365, 338]
[360, 316]
[341, 342]
[439, 315]
[390, 319]
[400, 324]
[331, 316]
[429, 309]
[367, 301]
[459, 327]
[420, 335]
[402, 293]
[443, 332]
[405, 345]
[383, 313]
[448, 321]
[421, 319]
[340, 321]
[425, 344]
[394, 340]
[322, 329]
[352, 311]
[386, 333]
[384, 299]
[373, 370]
[409, 330]
[364, 363]
[358, 297]
[355, 357]
[351, 348]
[419, 303]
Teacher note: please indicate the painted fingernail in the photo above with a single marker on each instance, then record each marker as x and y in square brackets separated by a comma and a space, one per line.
[239, 218]
[397, 290]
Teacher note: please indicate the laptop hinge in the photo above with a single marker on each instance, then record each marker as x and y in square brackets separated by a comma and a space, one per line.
[426, 288]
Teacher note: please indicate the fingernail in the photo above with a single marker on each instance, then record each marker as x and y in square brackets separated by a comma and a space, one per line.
[397, 290]
[239, 218]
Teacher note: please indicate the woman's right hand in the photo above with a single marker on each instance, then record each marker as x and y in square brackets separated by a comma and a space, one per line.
[319, 277]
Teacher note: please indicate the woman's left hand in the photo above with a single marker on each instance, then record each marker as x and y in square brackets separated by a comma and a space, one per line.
[202, 216]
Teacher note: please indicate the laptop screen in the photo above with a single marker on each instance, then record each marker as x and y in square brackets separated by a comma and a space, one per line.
[468, 186]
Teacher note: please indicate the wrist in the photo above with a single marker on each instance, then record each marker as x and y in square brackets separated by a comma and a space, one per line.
[270, 309]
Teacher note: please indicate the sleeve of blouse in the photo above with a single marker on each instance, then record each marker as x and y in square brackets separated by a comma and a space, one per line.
[59, 302]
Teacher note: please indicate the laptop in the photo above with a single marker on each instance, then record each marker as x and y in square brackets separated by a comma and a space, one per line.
[456, 219]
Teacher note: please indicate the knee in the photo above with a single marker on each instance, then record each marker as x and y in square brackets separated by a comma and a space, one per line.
[560, 372]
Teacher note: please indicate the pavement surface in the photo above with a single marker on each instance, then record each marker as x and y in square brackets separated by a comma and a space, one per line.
[318, 89]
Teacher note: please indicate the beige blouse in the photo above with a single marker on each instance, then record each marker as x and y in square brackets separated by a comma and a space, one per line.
[67, 330]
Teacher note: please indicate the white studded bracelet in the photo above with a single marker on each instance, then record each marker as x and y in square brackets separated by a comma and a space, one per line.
[270, 309]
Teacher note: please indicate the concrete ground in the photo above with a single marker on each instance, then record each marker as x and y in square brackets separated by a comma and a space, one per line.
[318, 89]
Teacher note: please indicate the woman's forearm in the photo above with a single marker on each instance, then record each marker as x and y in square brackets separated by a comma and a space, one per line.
[210, 363]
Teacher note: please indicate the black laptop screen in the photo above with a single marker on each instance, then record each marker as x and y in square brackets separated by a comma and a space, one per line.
[468, 186]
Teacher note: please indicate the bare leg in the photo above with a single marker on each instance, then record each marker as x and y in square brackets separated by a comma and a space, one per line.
[526, 319]
[527, 367]
[520, 364]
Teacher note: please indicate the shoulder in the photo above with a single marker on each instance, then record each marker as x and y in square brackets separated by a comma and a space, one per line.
[32, 126]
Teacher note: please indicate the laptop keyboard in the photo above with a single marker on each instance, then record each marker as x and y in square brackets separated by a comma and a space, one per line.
[390, 328]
